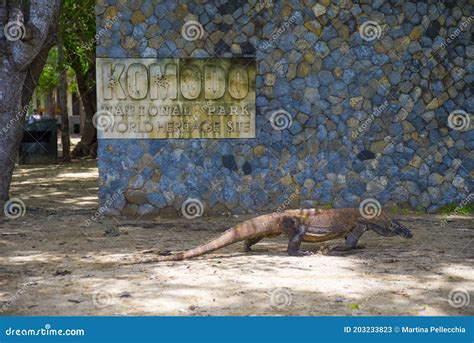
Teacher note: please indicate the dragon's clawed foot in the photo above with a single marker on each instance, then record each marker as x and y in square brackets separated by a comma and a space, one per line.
[340, 249]
[346, 248]
[300, 253]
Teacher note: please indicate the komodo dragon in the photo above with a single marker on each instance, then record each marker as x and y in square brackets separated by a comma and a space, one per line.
[305, 225]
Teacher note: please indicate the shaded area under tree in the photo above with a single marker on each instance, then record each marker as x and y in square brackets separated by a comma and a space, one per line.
[65, 262]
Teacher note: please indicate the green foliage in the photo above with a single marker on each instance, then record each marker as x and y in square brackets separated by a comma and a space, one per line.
[49, 78]
[448, 210]
[420, 210]
[453, 209]
[71, 76]
[77, 29]
[399, 210]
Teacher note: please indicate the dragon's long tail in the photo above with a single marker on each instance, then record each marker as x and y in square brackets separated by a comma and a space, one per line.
[252, 228]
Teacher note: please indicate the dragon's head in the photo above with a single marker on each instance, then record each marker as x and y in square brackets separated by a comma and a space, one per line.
[386, 226]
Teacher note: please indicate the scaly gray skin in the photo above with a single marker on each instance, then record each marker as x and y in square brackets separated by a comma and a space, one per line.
[347, 223]
[305, 225]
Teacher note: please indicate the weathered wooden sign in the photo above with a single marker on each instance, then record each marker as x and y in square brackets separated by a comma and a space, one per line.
[175, 98]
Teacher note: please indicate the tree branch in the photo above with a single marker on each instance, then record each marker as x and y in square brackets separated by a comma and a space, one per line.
[42, 22]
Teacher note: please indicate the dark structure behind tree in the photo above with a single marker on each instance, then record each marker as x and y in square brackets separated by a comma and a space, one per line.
[39, 144]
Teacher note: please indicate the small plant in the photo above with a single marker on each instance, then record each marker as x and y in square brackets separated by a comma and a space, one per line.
[420, 210]
[399, 210]
[454, 209]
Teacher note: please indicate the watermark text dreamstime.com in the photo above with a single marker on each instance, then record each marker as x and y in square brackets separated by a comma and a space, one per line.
[448, 40]
[458, 208]
[281, 30]
[46, 331]
[366, 124]
[284, 206]
[457, 32]
[18, 117]
[107, 26]
[287, 201]
[16, 296]
[104, 208]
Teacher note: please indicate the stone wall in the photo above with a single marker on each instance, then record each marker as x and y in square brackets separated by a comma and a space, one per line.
[355, 100]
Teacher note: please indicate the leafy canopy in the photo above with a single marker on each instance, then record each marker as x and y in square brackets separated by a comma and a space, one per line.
[77, 32]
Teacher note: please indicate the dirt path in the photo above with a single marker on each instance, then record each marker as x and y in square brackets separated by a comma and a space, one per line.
[51, 263]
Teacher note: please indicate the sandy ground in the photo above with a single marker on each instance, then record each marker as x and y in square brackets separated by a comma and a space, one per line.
[52, 263]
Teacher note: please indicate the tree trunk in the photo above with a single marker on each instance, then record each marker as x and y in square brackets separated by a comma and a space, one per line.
[65, 140]
[11, 121]
[88, 144]
[21, 60]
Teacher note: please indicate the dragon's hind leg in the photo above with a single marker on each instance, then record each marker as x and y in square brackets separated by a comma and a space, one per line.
[249, 242]
[352, 238]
